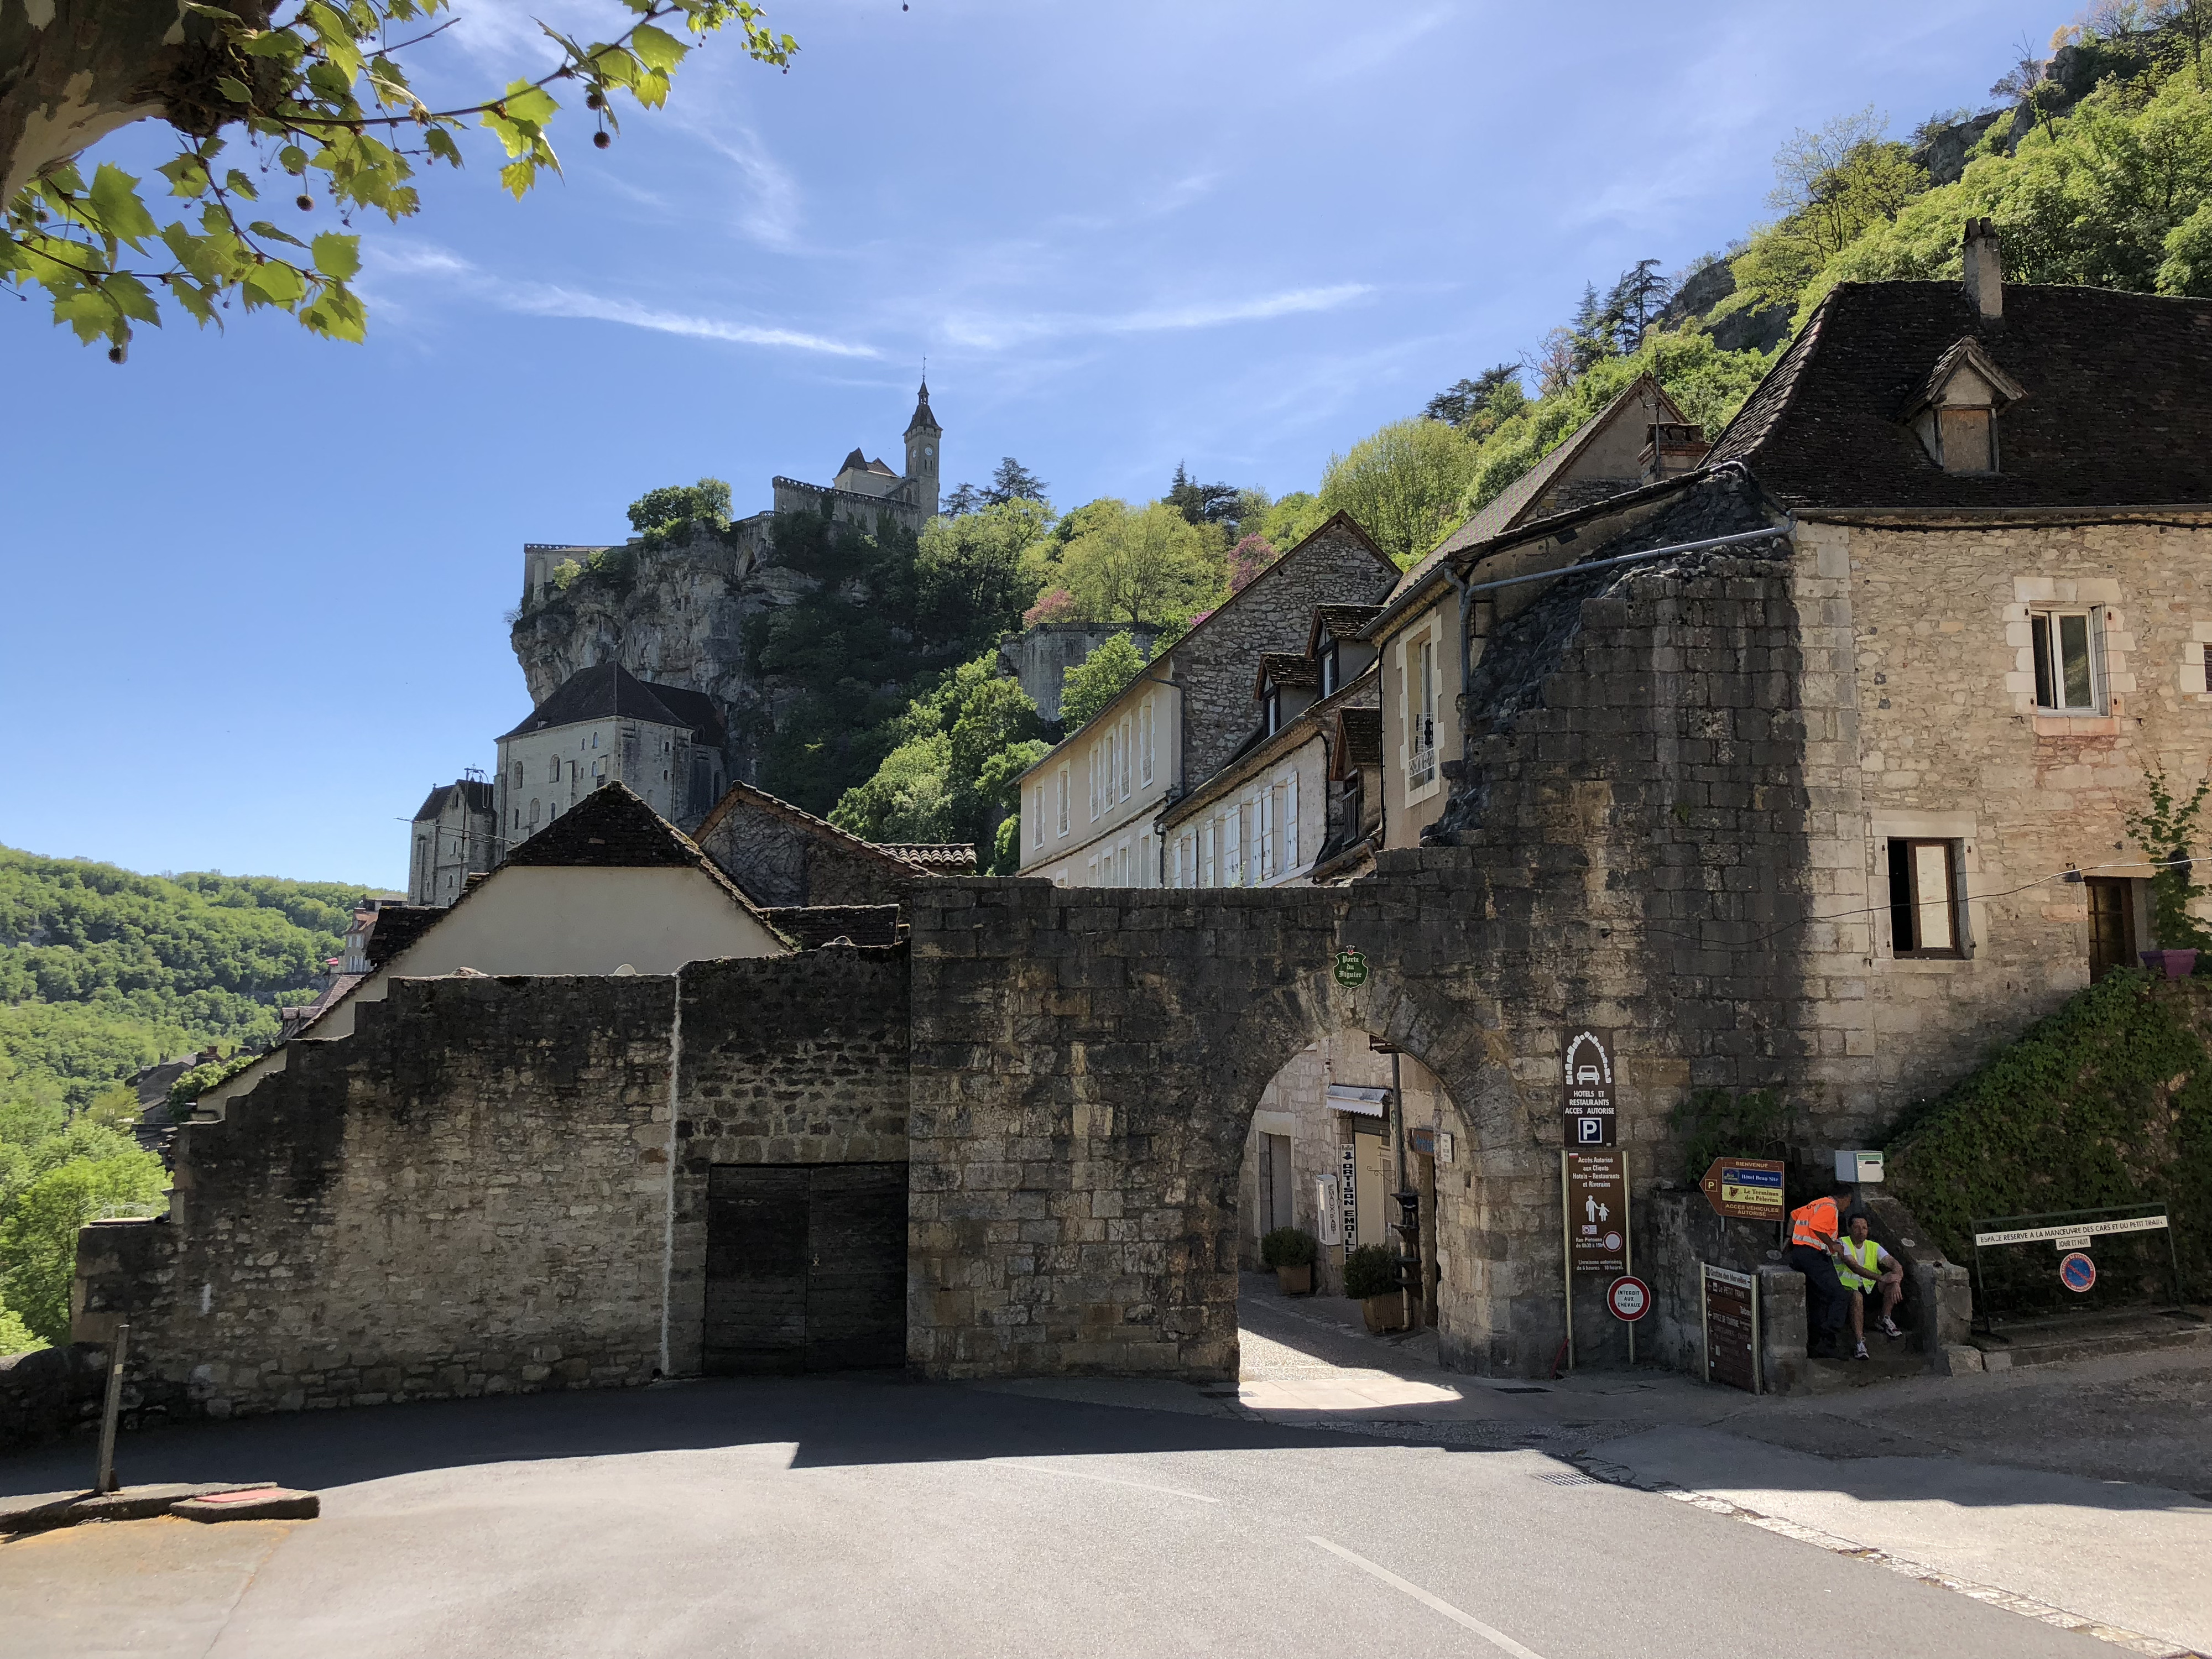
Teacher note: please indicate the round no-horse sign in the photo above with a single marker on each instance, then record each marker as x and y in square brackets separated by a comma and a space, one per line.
[2077, 1272]
[1629, 1298]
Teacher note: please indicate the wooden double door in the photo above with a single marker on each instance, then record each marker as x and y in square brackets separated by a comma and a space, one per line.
[805, 1267]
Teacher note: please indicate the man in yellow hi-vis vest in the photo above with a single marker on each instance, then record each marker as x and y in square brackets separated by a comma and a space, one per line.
[1865, 1267]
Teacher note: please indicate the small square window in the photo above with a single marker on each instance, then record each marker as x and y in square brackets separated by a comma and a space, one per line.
[1924, 919]
[2068, 669]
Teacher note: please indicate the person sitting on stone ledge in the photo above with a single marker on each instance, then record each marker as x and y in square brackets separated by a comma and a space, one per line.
[1814, 1250]
[1864, 1267]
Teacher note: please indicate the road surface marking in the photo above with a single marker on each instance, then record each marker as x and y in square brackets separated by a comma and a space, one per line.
[1497, 1638]
[1104, 1479]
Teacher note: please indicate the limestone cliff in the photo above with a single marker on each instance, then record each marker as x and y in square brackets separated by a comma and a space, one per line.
[675, 616]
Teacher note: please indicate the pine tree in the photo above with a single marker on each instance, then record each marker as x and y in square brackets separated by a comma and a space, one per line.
[1012, 482]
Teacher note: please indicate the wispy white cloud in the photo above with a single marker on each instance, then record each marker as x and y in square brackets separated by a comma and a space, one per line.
[769, 210]
[996, 331]
[533, 298]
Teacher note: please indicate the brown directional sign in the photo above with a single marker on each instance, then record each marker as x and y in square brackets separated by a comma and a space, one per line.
[1586, 1088]
[1731, 1326]
[1745, 1188]
[1597, 1212]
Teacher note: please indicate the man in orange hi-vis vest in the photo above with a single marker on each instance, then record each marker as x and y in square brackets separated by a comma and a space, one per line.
[1814, 1228]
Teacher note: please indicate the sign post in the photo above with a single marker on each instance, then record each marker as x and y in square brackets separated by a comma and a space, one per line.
[1745, 1188]
[1729, 1304]
[1593, 1222]
[1586, 1089]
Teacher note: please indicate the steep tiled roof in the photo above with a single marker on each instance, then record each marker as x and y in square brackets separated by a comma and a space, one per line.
[596, 694]
[1287, 668]
[1358, 737]
[395, 928]
[2118, 410]
[693, 708]
[1344, 622]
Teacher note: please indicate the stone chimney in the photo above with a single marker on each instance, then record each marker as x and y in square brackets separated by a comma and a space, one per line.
[1985, 275]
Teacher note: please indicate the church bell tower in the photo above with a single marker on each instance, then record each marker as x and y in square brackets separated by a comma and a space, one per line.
[924, 439]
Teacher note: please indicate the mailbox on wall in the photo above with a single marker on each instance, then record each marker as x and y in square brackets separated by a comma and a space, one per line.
[1859, 1167]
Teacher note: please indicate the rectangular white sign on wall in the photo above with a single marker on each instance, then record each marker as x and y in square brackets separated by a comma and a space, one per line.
[1325, 1202]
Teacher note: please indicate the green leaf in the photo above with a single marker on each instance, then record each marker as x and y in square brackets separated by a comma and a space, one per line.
[263, 228]
[239, 184]
[292, 158]
[235, 90]
[274, 283]
[132, 299]
[186, 177]
[441, 143]
[527, 103]
[115, 203]
[282, 43]
[90, 313]
[658, 48]
[336, 255]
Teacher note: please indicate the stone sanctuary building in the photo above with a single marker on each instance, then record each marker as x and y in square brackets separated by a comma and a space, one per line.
[1780, 770]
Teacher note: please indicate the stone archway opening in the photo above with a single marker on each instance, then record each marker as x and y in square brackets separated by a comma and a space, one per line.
[1321, 1157]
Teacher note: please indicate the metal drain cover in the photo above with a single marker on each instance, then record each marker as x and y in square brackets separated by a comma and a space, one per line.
[1572, 1479]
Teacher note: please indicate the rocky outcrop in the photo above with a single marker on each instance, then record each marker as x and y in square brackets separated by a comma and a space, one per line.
[676, 615]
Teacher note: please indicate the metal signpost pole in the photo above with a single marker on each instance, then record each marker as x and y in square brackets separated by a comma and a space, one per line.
[1706, 1319]
[1627, 1246]
[1567, 1256]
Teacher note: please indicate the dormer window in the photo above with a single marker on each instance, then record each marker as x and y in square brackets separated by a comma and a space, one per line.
[1954, 410]
[1275, 706]
[1328, 670]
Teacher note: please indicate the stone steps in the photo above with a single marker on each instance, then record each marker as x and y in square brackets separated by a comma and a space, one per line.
[2095, 1338]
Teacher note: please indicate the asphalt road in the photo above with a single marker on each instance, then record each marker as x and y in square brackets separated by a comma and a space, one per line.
[855, 1515]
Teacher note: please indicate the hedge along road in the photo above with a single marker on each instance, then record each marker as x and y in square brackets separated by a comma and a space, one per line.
[853, 1515]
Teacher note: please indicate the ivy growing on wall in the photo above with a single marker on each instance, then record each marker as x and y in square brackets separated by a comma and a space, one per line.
[2107, 1102]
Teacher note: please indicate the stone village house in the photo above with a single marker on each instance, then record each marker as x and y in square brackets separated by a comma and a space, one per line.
[1794, 806]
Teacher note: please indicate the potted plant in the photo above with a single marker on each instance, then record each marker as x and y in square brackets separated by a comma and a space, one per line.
[2165, 832]
[1370, 1279]
[1292, 1254]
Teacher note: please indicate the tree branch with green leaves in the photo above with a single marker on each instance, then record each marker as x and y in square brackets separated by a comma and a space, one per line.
[324, 101]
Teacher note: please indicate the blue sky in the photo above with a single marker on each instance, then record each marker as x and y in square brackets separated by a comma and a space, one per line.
[254, 582]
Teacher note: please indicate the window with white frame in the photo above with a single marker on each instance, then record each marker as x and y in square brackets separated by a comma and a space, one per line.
[1232, 847]
[1123, 729]
[1267, 864]
[1421, 711]
[1290, 822]
[1036, 817]
[1145, 741]
[1066, 789]
[2068, 648]
[1091, 757]
[1146, 862]
[1205, 840]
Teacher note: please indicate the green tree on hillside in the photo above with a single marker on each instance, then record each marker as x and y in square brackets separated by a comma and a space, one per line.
[1099, 679]
[1150, 565]
[975, 573]
[1402, 485]
[669, 514]
[1479, 406]
[1831, 186]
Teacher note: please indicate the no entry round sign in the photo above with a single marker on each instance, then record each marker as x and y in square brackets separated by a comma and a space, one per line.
[2077, 1272]
[1629, 1298]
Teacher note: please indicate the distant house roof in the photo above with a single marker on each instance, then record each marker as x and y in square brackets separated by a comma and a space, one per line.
[743, 794]
[476, 794]
[2116, 412]
[949, 858]
[816, 925]
[609, 690]
[394, 927]
[1511, 503]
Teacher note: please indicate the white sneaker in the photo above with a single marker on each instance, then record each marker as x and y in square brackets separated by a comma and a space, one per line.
[1862, 1353]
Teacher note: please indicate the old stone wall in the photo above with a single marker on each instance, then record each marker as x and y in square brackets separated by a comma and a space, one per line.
[1953, 748]
[466, 1196]
[1039, 658]
[1215, 665]
[801, 1060]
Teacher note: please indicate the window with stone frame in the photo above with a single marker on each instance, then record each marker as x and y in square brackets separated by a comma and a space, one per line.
[1144, 742]
[1421, 713]
[2069, 659]
[1926, 915]
[1067, 788]
[1037, 816]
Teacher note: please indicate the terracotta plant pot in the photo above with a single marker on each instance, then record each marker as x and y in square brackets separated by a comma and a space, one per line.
[1295, 1281]
[2174, 965]
[1384, 1313]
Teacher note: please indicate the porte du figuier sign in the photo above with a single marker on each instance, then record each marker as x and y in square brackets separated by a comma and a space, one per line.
[1586, 1089]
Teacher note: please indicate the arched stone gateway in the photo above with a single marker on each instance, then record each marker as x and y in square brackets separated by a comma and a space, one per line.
[1085, 1066]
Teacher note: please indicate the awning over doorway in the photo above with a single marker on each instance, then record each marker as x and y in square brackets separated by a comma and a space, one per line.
[1364, 1103]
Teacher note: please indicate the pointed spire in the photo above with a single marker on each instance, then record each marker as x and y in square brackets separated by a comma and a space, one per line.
[923, 420]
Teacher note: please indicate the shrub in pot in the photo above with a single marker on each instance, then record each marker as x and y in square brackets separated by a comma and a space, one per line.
[1370, 1278]
[1292, 1254]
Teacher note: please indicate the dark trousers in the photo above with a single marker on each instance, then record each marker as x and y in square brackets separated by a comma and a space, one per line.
[1825, 1307]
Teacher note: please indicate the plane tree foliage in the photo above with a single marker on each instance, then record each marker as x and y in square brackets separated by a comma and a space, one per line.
[305, 103]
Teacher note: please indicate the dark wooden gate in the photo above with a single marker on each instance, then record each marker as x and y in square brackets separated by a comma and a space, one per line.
[805, 1267]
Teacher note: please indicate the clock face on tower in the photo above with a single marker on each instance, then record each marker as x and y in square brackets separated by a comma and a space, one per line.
[927, 452]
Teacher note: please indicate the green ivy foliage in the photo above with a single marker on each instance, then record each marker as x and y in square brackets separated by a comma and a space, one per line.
[2107, 1102]
[1714, 1123]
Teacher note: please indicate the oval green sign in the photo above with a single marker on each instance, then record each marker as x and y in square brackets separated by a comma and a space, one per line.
[1350, 970]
